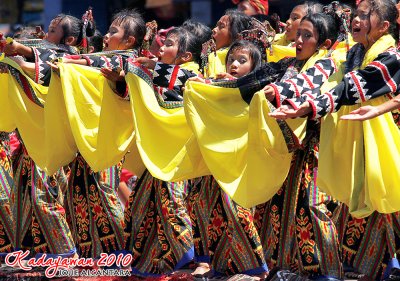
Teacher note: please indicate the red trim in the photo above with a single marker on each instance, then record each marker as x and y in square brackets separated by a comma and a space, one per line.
[317, 66]
[106, 60]
[277, 95]
[37, 63]
[386, 76]
[310, 84]
[25, 85]
[313, 108]
[331, 101]
[173, 77]
[293, 104]
[87, 60]
[310, 97]
[357, 84]
[296, 91]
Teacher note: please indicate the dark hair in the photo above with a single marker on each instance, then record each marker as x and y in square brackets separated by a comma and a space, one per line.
[273, 20]
[96, 41]
[254, 52]
[25, 32]
[73, 26]
[132, 23]
[327, 26]
[187, 42]
[386, 11]
[238, 22]
[311, 7]
[201, 34]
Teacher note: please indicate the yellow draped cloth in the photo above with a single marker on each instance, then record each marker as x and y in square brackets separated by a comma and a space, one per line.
[281, 48]
[84, 114]
[216, 63]
[244, 148]
[19, 111]
[164, 140]
[359, 161]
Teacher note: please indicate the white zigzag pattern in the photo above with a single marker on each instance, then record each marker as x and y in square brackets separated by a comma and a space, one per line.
[180, 75]
[168, 76]
[355, 90]
[158, 67]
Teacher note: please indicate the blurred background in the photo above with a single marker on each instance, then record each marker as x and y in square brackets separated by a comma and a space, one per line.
[14, 13]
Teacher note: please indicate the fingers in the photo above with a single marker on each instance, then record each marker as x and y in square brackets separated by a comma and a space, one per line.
[197, 79]
[53, 65]
[354, 117]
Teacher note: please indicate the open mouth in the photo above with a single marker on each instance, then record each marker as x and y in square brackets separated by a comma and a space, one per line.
[356, 30]
[105, 45]
[298, 49]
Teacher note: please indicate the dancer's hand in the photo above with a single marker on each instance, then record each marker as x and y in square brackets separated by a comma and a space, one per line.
[269, 93]
[146, 62]
[113, 74]
[197, 79]
[287, 111]
[225, 75]
[362, 113]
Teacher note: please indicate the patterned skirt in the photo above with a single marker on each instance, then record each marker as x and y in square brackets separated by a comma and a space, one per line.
[6, 183]
[39, 215]
[370, 243]
[158, 229]
[296, 226]
[97, 218]
[224, 233]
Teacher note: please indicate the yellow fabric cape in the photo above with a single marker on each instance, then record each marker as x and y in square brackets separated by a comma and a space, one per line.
[216, 63]
[359, 161]
[163, 138]
[18, 111]
[84, 114]
[244, 148]
[280, 49]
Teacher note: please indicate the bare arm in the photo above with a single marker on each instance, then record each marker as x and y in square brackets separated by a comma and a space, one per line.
[18, 48]
[369, 112]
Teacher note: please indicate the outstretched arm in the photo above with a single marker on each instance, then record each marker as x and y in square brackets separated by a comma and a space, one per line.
[369, 112]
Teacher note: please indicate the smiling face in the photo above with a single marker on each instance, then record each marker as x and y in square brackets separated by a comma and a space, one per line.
[306, 40]
[365, 26]
[239, 62]
[221, 34]
[292, 24]
[114, 39]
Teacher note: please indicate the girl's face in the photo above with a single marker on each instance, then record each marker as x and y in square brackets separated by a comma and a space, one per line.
[306, 40]
[221, 34]
[292, 24]
[365, 26]
[55, 33]
[169, 51]
[246, 8]
[239, 63]
[114, 39]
